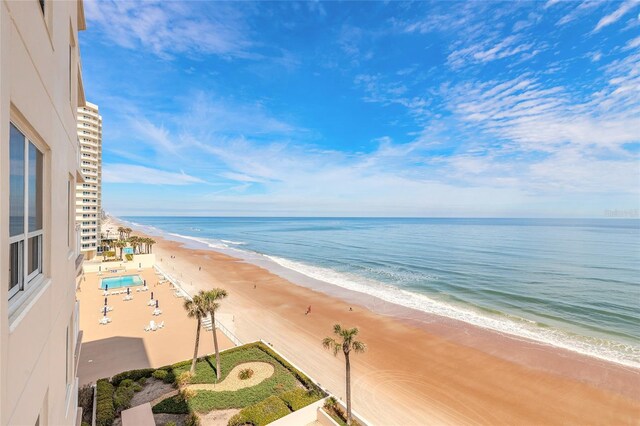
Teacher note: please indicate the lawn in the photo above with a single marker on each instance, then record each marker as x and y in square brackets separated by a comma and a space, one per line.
[285, 391]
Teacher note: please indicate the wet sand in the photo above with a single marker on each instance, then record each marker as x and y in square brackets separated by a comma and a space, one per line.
[418, 369]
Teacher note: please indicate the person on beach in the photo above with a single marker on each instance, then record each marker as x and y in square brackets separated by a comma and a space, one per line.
[199, 268]
[308, 310]
[254, 286]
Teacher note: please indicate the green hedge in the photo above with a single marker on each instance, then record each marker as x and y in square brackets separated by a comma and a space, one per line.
[299, 398]
[124, 393]
[174, 405]
[165, 374]
[262, 413]
[134, 375]
[105, 411]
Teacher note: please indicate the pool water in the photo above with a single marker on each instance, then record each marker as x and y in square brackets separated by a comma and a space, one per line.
[124, 281]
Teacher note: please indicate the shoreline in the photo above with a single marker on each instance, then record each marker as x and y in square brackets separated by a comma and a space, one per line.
[383, 306]
[473, 358]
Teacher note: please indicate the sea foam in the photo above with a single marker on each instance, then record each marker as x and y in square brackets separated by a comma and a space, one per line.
[625, 354]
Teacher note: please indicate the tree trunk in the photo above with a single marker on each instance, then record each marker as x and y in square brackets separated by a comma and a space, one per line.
[348, 367]
[215, 345]
[195, 351]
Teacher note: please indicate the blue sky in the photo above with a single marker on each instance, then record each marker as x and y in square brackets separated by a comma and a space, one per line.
[367, 109]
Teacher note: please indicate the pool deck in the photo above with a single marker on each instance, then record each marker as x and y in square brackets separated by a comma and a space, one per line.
[123, 344]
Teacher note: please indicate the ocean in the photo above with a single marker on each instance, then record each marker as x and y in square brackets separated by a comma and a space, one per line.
[570, 283]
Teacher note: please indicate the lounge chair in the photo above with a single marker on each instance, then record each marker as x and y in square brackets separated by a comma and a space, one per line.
[161, 325]
[153, 325]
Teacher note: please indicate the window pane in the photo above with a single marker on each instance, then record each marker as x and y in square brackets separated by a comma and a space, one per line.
[33, 262]
[35, 188]
[15, 265]
[16, 182]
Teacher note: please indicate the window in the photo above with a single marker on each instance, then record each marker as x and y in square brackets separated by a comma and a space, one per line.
[25, 206]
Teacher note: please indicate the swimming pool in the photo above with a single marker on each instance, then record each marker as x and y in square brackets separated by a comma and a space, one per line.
[124, 281]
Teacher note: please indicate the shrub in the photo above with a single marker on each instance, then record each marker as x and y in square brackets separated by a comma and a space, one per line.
[85, 400]
[245, 374]
[184, 378]
[299, 398]
[160, 374]
[187, 393]
[142, 380]
[124, 393]
[174, 405]
[261, 413]
[122, 398]
[170, 424]
[330, 402]
[105, 411]
[129, 257]
[132, 374]
[192, 420]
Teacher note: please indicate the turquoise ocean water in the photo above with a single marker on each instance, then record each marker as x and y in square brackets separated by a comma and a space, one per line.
[568, 283]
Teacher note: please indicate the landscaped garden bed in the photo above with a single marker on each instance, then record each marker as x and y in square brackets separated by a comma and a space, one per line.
[254, 380]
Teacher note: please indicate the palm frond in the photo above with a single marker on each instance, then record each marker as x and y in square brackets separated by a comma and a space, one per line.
[337, 329]
[358, 346]
[332, 344]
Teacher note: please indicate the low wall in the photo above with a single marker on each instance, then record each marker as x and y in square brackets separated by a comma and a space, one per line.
[139, 261]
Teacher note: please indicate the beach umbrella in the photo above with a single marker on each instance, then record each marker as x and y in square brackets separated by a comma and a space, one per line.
[151, 295]
[128, 291]
[106, 287]
[105, 301]
[157, 304]
[105, 311]
[145, 282]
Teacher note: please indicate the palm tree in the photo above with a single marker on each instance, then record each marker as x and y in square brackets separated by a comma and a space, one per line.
[195, 309]
[348, 344]
[145, 241]
[121, 231]
[211, 305]
[150, 244]
[120, 244]
[128, 231]
[135, 242]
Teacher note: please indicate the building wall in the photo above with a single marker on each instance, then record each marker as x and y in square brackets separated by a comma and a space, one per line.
[89, 193]
[38, 326]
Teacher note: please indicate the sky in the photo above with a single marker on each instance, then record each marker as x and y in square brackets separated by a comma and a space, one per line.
[424, 109]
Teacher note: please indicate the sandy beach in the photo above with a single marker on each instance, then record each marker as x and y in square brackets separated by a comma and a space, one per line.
[418, 369]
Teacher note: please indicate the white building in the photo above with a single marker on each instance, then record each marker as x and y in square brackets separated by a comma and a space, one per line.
[40, 91]
[89, 193]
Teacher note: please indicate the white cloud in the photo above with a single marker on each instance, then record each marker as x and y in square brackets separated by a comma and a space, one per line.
[134, 174]
[617, 14]
[488, 50]
[166, 28]
[537, 118]
[632, 44]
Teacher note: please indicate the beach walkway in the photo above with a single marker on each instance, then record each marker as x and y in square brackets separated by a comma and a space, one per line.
[123, 344]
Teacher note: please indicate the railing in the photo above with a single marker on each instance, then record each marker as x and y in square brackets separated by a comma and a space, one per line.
[218, 324]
